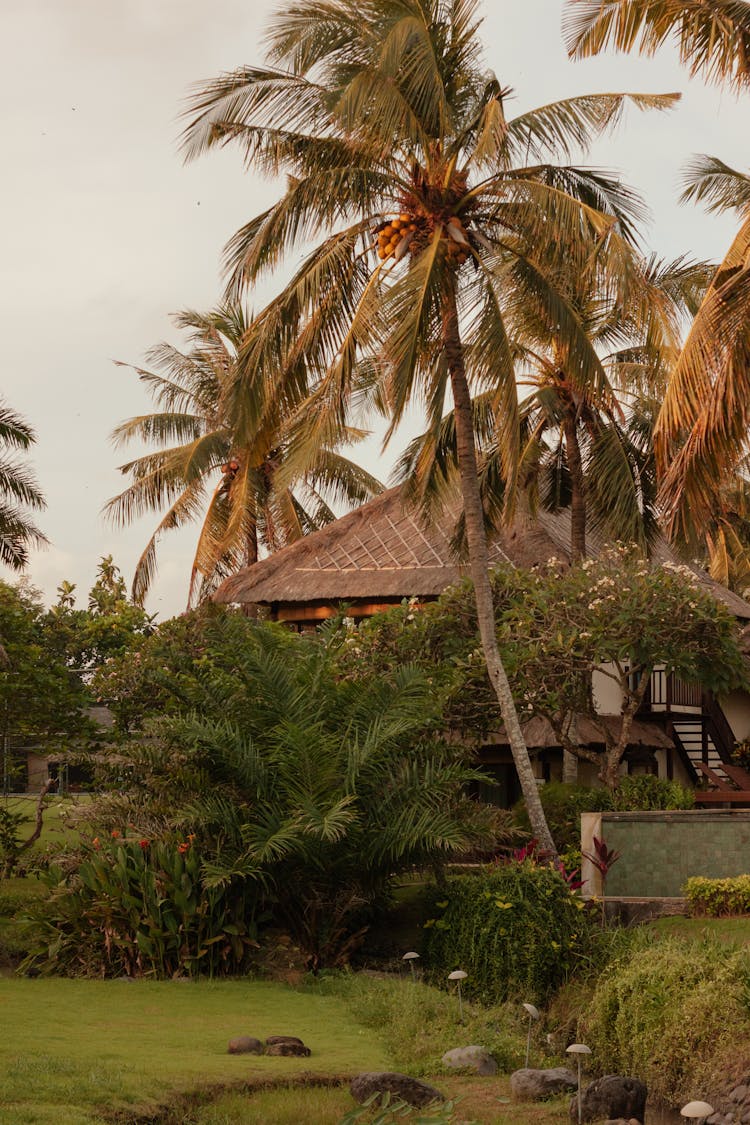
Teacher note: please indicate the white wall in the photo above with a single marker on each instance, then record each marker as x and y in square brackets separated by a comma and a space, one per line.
[607, 694]
[736, 707]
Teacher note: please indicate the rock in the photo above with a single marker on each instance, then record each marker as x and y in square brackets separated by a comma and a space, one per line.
[292, 1049]
[612, 1096]
[410, 1090]
[471, 1058]
[272, 1039]
[739, 1094]
[529, 1085]
[245, 1045]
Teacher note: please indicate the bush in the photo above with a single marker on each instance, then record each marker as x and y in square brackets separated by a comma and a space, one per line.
[718, 898]
[563, 803]
[645, 792]
[676, 1015]
[139, 908]
[516, 929]
[317, 792]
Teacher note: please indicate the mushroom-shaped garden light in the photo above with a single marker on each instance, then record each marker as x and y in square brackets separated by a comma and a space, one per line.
[578, 1049]
[534, 1014]
[458, 975]
[696, 1111]
[411, 958]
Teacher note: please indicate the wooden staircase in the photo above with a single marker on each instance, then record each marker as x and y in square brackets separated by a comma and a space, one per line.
[703, 737]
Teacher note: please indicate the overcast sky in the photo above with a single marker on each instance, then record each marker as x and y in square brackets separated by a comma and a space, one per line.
[105, 232]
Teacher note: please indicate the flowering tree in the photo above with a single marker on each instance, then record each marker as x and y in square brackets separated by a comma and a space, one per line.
[617, 616]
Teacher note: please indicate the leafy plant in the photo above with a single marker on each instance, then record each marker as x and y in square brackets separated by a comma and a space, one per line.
[141, 908]
[675, 1013]
[514, 928]
[718, 898]
[603, 859]
[316, 792]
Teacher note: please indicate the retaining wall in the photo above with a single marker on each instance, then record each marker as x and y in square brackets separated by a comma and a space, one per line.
[661, 850]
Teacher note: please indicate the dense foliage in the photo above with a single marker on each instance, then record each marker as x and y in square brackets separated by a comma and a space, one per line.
[42, 699]
[311, 790]
[563, 804]
[515, 928]
[137, 908]
[674, 1013]
[718, 897]
[616, 615]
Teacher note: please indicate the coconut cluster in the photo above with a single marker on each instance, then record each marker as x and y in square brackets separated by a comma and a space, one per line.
[395, 236]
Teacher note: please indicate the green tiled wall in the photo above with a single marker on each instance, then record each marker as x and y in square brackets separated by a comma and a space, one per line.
[661, 850]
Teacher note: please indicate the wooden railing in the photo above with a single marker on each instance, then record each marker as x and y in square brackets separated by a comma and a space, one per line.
[667, 693]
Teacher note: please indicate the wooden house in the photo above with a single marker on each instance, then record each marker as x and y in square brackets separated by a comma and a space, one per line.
[376, 556]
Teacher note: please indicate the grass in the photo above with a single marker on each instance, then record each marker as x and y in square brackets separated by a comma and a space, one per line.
[82, 1048]
[732, 931]
[55, 829]
[482, 1100]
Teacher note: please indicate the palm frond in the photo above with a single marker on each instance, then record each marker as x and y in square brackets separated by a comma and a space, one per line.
[708, 180]
[713, 36]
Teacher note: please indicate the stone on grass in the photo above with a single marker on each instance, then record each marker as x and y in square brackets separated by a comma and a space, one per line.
[410, 1090]
[471, 1058]
[245, 1045]
[612, 1096]
[529, 1085]
[298, 1050]
[271, 1039]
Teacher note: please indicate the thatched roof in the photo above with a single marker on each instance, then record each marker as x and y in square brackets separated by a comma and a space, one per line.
[539, 734]
[384, 550]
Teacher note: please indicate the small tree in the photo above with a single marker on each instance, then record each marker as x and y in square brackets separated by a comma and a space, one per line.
[313, 789]
[618, 616]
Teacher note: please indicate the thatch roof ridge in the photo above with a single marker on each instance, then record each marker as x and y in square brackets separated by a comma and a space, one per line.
[383, 549]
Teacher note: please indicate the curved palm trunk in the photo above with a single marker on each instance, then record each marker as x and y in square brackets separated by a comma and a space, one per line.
[479, 565]
[578, 489]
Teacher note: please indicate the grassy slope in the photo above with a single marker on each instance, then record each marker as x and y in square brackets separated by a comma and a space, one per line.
[78, 1045]
[734, 931]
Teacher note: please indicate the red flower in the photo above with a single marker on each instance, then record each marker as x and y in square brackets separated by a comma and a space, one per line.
[96, 843]
[144, 844]
[114, 833]
[182, 848]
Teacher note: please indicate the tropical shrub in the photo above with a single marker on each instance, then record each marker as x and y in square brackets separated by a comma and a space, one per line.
[141, 908]
[312, 790]
[718, 898]
[564, 803]
[676, 1014]
[516, 929]
[645, 792]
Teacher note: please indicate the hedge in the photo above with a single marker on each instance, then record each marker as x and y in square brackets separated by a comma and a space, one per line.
[515, 928]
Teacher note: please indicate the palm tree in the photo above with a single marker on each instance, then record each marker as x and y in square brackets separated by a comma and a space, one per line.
[701, 432]
[17, 487]
[584, 448]
[430, 203]
[222, 457]
[713, 36]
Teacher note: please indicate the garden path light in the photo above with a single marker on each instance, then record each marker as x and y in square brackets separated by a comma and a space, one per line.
[458, 975]
[578, 1049]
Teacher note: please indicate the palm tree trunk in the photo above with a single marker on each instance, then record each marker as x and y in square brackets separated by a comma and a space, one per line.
[578, 488]
[479, 565]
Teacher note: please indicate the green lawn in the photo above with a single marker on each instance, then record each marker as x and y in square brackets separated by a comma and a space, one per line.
[71, 1048]
[55, 830]
[735, 931]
